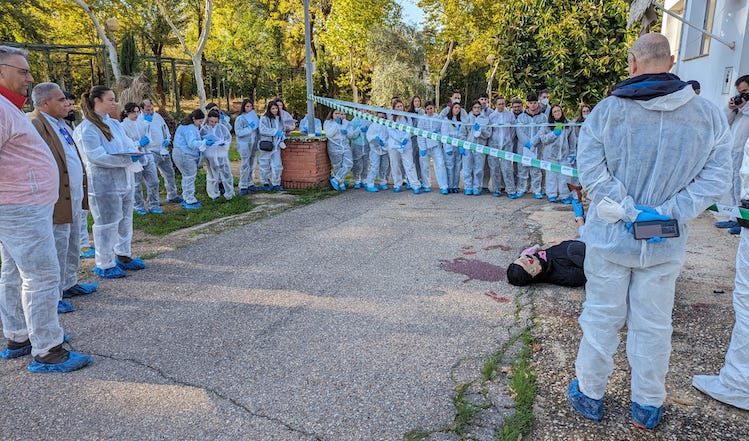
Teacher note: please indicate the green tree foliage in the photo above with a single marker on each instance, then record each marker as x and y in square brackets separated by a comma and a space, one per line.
[129, 56]
[398, 64]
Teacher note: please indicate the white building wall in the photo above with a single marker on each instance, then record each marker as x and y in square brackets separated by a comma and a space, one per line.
[719, 69]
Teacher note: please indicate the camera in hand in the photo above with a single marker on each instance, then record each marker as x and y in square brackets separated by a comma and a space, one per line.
[740, 98]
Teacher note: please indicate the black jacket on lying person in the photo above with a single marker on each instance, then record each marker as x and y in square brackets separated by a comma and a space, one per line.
[560, 264]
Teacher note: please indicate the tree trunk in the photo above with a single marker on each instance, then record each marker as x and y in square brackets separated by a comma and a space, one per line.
[491, 78]
[442, 73]
[113, 60]
[352, 76]
[198, 70]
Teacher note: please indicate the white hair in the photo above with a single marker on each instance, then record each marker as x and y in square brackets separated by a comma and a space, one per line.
[42, 92]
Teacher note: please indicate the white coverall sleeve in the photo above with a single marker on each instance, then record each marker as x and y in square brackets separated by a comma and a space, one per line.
[745, 173]
[242, 127]
[693, 199]
[332, 129]
[91, 143]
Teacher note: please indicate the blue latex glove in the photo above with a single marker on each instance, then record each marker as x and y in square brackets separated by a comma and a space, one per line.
[252, 124]
[165, 143]
[476, 127]
[148, 117]
[135, 158]
[364, 129]
[144, 141]
[649, 214]
[279, 133]
[209, 142]
[380, 141]
[423, 153]
[557, 132]
[304, 132]
[404, 142]
[449, 153]
[339, 120]
[571, 159]
[577, 207]
[461, 150]
[344, 131]
[223, 115]
[528, 144]
[318, 133]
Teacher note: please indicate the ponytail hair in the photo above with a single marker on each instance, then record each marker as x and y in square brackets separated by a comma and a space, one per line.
[190, 119]
[87, 107]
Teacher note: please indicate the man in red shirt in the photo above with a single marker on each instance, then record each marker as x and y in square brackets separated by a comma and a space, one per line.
[30, 273]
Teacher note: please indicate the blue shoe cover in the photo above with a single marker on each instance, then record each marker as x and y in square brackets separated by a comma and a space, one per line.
[538, 195]
[735, 230]
[88, 287]
[88, 254]
[175, 199]
[64, 307]
[74, 362]
[726, 224]
[588, 407]
[552, 199]
[15, 353]
[80, 289]
[343, 186]
[426, 189]
[646, 417]
[136, 263]
[266, 187]
[193, 206]
[497, 194]
[334, 184]
[65, 338]
[566, 201]
[397, 190]
[467, 192]
[357, 185]
[383, 187]
[110, 273]
[156, 210]
[140, 211]
[372, 189]
[444, 191]
[484, 189]
[417, 190]
[476, 192]
[408, 186]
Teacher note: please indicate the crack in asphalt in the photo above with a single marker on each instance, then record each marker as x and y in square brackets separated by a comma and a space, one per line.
[216, 393]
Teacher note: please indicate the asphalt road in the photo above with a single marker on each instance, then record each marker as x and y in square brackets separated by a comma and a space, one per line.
[353, 318]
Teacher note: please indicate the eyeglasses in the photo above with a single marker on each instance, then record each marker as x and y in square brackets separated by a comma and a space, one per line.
[24, 72]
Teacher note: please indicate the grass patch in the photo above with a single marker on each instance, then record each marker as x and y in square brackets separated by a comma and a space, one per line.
[310, 195]
[523, 387]
[176, 218]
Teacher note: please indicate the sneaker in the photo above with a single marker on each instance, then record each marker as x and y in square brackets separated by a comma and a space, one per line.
[588, 407]
[735, 230]
[476, 192]
[244, 191]
[417, 190]
[16, 349]
[357, 185]
[110, 273]
[64, 307]
[193, 206]
[141, 211]
[468, 192]
[88, 253]
[175, 199]
[497, 194]
[333, 183]
[552, 199]
[132, 264]
[278, 188]
[726, 224]
[444, 191]
[646, 417]
[71, 361]
[372, 189]
[266, 187]
[156, 210]
[538, 195]
[383, 187]
[426, 189]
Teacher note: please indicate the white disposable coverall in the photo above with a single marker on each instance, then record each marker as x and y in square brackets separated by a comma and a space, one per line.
[732, 384]
[246, 127]
[433, 151]
[673, 154]
[339, 147]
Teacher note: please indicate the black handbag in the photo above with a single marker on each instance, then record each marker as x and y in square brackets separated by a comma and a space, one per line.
[266, 146]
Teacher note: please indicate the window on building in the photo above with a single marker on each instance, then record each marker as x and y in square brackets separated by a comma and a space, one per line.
[697, 43]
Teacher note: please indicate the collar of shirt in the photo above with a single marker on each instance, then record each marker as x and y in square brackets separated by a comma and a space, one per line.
[18, 100]
[60, 125]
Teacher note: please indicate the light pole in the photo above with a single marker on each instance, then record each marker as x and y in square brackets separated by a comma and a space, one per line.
[308, 68]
